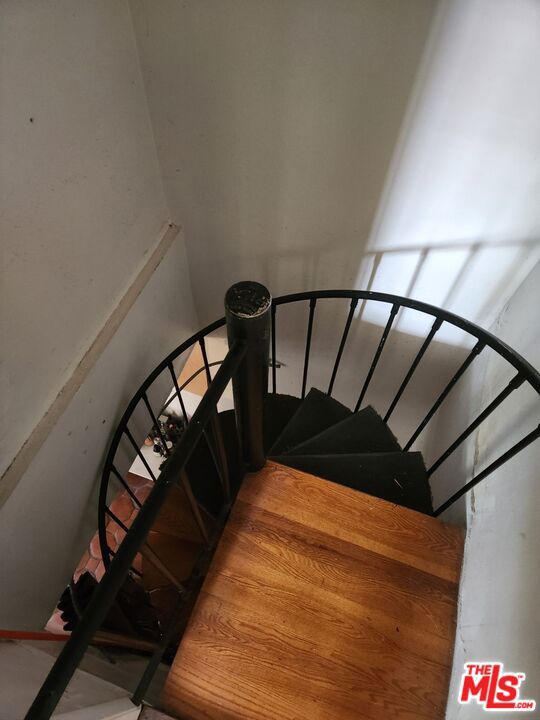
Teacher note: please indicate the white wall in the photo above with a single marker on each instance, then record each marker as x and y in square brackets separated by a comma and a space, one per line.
[459, 223]
[50, 516]
[350, 144]
[82, 198]
[315, 145]
[275, 123]
[24, 667]
[82, 215]
[500, 591]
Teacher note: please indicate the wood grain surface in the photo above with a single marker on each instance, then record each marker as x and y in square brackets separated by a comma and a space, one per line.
[321, 603]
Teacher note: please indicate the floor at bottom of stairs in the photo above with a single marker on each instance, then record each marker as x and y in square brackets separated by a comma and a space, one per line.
[321, 602]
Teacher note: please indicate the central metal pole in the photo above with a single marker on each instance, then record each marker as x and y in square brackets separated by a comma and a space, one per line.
[247, 310]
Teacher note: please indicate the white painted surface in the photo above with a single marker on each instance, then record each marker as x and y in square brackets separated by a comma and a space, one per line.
[40, 432]
[113, 710]
[301, 147]
[82, 208]
[82, 198]
[23, 669]
[48, 520]
[275, 123]
[500, 593]
[458, 224]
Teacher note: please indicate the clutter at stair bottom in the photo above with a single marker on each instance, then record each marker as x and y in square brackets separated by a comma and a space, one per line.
[132, 613]
[163, 437]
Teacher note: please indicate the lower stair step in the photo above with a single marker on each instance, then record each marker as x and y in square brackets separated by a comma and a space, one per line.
[316, 413]
[395, 476]
[362, 432]
[321, 603]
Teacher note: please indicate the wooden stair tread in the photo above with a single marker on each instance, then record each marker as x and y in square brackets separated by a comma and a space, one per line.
[321, 602]
[391, 530]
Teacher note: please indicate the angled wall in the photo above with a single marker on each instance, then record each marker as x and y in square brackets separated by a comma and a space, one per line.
[95, 287]
[275, 124]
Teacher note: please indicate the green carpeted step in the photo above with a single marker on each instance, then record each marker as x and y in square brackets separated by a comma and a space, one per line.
[316, 413]
[278, 410]
[362, 432]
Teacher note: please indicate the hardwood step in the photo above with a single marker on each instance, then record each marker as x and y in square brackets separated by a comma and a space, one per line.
[399, 477]
[323, 603]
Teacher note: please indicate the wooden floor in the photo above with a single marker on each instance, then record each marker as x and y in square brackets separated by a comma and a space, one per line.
[321, 603]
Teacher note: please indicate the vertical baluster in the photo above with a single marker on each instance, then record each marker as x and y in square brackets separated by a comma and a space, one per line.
[378, 352]
[202, 345]
[219, 456]
[166, 640]
[377, 257]
[494, 404]
[178, 392]
[354, 303]
[477, 349]
[132, 569]
[121, 525]
[273, 320]
[312, 304]
[126, 487]
[156, 424]
[436, 325]
[148, 554]
[116, 519]
[215, 437]
[514, 450]
[194, 506]
[139, 453]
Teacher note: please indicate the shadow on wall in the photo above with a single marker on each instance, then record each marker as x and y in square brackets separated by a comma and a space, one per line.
[473, 279]
[322, 145]
[438, 366]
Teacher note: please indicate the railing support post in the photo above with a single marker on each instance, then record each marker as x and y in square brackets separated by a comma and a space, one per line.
[247, 311]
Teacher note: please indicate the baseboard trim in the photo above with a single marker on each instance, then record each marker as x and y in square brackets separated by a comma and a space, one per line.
[39, 434]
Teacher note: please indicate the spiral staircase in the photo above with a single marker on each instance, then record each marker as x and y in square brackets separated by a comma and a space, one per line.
[289, 547]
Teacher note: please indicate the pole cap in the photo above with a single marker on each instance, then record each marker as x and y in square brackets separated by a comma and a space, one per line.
[247, 299]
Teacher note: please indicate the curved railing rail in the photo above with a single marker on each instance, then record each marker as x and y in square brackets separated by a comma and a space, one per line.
[525, 372]
[110, 471]
[121, 564]
[246, 364]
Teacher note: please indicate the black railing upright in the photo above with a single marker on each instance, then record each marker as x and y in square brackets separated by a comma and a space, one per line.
[247, 311]
[525, 372]
[252, 329]
[104, 595]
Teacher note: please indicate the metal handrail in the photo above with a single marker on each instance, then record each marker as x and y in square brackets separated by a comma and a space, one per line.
[121, 429]
[105, 593]
[245, 363]
[526, 373]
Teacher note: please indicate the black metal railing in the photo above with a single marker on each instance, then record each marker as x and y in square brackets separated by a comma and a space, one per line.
[248, 320]
[121, 563]
[252, 321]
[110, 471]
[525, 372]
